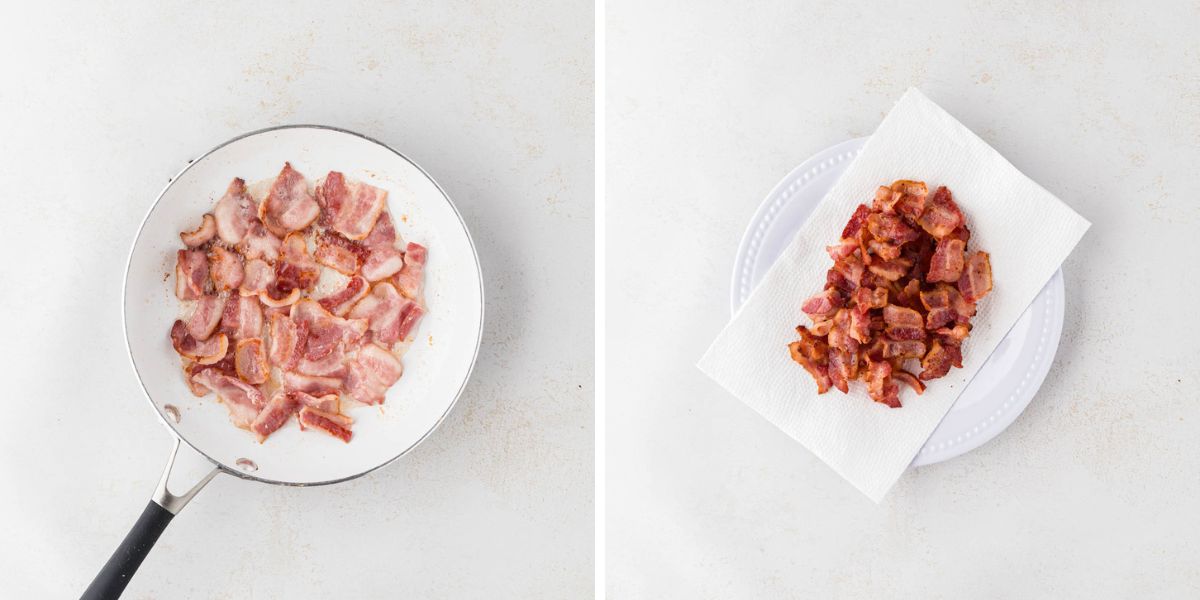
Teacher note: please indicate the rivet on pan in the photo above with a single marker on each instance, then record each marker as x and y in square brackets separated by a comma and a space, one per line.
[246, 465]
[171, 412]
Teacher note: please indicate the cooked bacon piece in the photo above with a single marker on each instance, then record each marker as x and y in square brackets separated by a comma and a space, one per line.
[383, 308]
[296, 271]
[325, 331]
[839, 369]
[273, 298]
[839, 333]
[278, 410]
[852, 269]
[258, 277]
[242, 318]
[946, 264]
[956, 334]
[371, 373]
[288, 340]
[976, 279]
[342, 300]
[225, 269]
[200, 235]
[870, 298]
[891, 229]
[352, 207]
[939, 359]
[908, 198]
[191, 274]
[412, 274]
[260, 243]
[311, 384]
[962, 233]
[328, 403]
[811, 352]
[880, 386]
[945, 306]
[890, 270]
[234, 213]
[241, 399]
[903, 348]
[903, 323]
[335, 425]
[205, 352]
[909, 379]
[206, 316]
[384, 260]
[339, 253]
[289, 206]
[251, 361]
[883, 250]
[857, 221]
[941, 215]
[823, 304]
[842, 249]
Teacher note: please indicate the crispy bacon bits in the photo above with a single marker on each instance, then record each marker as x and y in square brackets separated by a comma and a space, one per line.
[256, 330]
[902, 289]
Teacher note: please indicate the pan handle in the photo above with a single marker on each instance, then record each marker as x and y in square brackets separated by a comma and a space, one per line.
[110, 582]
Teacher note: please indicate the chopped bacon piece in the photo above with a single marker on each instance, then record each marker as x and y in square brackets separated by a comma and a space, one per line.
[852, 269]
[883, 250]
[273, 298]
[335, 425]
[908, 198]
[956, 334]
[250, 361]
[811, 352]
[289, 206]
[842, 249]
[384, 259]
[206, 316]
[823, 304]
[200, 235]
[191, 274]
[328, 403]
[241, 399]
[288, 340]
[880, 386]
[891, 229]
[839, 369]
[339, 253]
[903, 348]
[278, 410]
[839, 333]
[260, 243]
[890, 270]
[383, 308]
[946, 264]
[342, 300]
[941, 215]
[205, 352]
[945, 306]
[258, 277]
[412, 274]
[903, 323]
[331, 365]
[242, 318]
[909, 379]
[225, 269]
[939, 359]
[351, 207]
[311, 384]
[325, 330]
[371, 373]
[224, 366]
[234, 213]
[857, 221]
[976, 279]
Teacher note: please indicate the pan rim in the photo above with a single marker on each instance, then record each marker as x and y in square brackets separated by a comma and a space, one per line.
[125, 298]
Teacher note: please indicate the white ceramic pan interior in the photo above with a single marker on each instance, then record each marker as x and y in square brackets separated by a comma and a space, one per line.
[436, 367]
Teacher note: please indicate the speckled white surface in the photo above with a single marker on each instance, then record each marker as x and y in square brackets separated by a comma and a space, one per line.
[1092, 492]
[103, 104]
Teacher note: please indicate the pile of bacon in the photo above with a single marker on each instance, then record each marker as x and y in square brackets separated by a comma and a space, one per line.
[902, 288]
[255, 336]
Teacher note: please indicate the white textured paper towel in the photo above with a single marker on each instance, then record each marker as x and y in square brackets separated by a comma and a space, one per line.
[1027, 231]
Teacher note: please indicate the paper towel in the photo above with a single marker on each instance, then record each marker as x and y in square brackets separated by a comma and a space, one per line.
[1027, 231]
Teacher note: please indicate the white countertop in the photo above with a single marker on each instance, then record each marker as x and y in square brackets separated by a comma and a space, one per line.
[100, 106]
[1092, 492]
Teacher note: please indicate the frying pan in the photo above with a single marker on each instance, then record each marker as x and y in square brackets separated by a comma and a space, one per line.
[436, 366]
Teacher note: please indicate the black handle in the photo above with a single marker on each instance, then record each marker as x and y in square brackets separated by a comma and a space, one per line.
[119, 569]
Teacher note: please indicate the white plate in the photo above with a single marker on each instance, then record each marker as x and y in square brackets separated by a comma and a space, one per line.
[1006, 382]
[436, 367]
